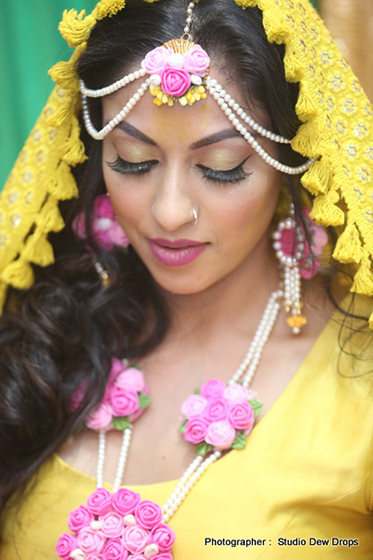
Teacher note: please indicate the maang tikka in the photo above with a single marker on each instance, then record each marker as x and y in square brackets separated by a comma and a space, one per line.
[179, 71]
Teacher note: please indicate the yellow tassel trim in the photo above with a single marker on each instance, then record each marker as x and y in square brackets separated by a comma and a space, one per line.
[18, 274]
[108, 8]
[50, 218]
[325, 212]
[64, 74]
[63, 112]
[306, 108]
[307, 138]
[348, 248]
[63, 185]
[319, 177]
[74, 147]
[38, 250]
[3, 291]
[294, 70]
[363, 281]
[75, 28]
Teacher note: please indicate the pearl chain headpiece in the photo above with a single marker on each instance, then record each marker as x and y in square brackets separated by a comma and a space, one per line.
[179, 72]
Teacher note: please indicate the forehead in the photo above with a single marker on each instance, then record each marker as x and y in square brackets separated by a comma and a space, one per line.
[177, 124]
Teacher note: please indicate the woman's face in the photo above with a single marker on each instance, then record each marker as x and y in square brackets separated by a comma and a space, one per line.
[163, 162]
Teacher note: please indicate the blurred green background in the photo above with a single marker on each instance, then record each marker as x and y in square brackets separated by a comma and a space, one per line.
[29, 45]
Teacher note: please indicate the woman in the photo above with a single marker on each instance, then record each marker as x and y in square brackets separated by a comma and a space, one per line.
[198, 180]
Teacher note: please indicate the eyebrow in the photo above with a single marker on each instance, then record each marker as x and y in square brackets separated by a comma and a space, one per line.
[124, 126]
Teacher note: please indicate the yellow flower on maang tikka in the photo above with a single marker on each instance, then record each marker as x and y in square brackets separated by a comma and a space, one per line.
[336, 136]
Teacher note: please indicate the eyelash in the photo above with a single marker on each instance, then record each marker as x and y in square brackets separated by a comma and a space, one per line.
[235, 175]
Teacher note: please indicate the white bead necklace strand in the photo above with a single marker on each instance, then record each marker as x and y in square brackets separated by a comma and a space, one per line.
[202, 462]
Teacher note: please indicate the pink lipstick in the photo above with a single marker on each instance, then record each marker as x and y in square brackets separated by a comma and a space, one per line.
[176, 253]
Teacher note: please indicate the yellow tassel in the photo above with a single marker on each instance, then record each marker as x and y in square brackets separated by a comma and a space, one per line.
[348, 248]
[63, 185]
[276, 27]
[75, 28]
[306, 108]
[108, 8]
[325, 212]
[319, 177]
[74, 146]
[50, 218]
[63, 112]
[64, 74]
[363, 281]
[243, 3]
[306, 141]
[294, 69]
[18, 274]
[38, 250]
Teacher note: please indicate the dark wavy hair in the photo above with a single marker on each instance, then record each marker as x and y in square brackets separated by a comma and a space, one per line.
[67, 326]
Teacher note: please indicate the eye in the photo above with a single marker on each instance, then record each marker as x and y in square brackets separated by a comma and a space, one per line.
[234, 175]
[129, 168]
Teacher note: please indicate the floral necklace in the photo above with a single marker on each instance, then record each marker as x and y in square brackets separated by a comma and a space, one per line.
[218, 417]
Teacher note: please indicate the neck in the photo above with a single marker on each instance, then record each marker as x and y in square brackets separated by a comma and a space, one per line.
[237, 300]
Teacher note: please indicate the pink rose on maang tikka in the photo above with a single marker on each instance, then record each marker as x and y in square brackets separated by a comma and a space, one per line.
[176, 72]
[219, 416]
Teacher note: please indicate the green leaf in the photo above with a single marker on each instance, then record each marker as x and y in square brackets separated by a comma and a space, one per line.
[120, 423]
[182, 427]
[256, 406]
[144, 400]
[197, 391]
[203, 448]
[240, 441]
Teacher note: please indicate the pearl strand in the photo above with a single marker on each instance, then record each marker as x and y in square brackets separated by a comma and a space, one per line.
[253, 346]
[114, 87]
[220, 95]
[101, 458]
[127, 433]
[172, 505]
[100, 135]
[189, 18]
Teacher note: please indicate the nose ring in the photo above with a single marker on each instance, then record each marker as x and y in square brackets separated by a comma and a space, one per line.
[195, 216]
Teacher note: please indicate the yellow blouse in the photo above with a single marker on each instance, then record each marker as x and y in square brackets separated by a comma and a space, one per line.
[302, 488]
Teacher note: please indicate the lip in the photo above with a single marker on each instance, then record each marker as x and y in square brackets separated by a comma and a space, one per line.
[176, 253]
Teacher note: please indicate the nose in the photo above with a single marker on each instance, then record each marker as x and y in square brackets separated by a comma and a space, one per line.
[172, 205]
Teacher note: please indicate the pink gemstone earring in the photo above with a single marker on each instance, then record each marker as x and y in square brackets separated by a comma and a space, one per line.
[298, 260]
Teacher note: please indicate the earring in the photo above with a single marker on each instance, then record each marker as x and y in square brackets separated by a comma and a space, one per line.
[106, 230]
[298, 260]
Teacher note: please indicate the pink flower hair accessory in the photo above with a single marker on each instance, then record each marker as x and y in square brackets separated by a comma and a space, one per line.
[105, 227]
[219, 416]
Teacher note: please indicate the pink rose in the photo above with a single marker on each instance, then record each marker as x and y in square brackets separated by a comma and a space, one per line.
[125, 501]
[91, 542]
[115, 550]
[193, 406]
[217, 409]
[196, 61]
[112, 524]
[65, 545]
[236, 393]
[102, 237]
[124, 402]
[163, 536]
[241, 416]
[93, 557]
[103, 208]
[138, 557]
[155, 60]
[117, 235]
[195, 430]
[131, 380]
[79, 518]
[148, 514]
[100, 417]
[135, 539]
[175, 81]
[163, 556]
[99, 502]
[220, 434]
[117, 366]
[79, 225]
[213, 388]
